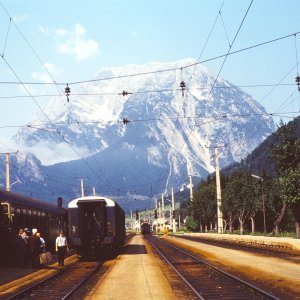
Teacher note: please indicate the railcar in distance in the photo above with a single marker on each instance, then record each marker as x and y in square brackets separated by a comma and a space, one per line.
[18, 211]
[96, 226]
[145, 228]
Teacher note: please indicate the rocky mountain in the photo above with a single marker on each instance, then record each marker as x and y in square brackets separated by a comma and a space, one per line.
[259, 159]
[143, 143]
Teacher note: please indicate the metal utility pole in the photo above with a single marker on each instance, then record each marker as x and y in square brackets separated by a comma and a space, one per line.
[219, 199]
[263, 200]
[131, 219]
[173, 211]
[94, 191]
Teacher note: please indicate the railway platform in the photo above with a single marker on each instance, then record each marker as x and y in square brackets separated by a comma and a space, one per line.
[139, 273]
[284, 243]
[14, 279]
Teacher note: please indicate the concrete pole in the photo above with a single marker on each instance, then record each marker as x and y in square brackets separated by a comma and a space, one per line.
[159, 215]
[131, 218]
[263, 202]
[173, 211]
[94, 191]
[191, 188]
[163, 208]
[219, 200]
[82, 189]
[7, 172]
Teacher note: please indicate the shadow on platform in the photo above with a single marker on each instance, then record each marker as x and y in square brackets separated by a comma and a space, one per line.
[135, 249]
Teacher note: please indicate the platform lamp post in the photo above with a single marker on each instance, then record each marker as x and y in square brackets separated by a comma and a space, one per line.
[263, 200]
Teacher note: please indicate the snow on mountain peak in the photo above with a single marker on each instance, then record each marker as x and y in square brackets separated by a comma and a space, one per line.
[168, 128]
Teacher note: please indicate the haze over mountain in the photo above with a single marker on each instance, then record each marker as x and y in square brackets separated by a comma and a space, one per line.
[169, 136]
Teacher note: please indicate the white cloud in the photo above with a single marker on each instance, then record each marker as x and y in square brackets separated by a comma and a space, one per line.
[18, 19]
[76, 43]
[44, 76]
[50, 153]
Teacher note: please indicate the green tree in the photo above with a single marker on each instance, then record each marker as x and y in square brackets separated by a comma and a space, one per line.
[242, 198]
[285, 153]
[289, 184]
[204, 204]
[191, 224]
[229, 209]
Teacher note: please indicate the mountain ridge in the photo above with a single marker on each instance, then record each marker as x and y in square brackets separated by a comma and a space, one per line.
[167, 137]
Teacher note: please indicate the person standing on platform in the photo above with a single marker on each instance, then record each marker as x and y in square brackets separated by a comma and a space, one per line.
[61, 246]
[166, 231]
[26, 236]
[43, 244]
[34, 247]
[21, 249]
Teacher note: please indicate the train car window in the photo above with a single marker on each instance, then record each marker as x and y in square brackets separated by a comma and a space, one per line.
[34, 213]
[12, 209]
[18, 210]
[29, 212]
[24, 211]
[39, 213]
[5, 214]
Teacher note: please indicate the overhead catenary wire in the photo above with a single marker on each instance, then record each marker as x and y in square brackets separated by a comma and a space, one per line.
[230, 46]
[46, 116]
[154, 91]
[206, 41]
[215, 87]
[6, 38]
[54, 82]
[157, 71]
[216, 78]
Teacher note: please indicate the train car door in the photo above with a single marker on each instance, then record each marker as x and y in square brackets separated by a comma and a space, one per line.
[5, 231]
[92, 225]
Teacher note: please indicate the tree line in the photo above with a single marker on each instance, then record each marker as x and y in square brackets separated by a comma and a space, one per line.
[269, 200]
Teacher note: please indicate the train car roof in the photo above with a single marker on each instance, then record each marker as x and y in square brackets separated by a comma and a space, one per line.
[109, 201]
[21, 200]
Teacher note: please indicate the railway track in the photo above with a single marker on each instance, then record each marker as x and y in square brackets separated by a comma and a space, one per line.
[206, 280]
[61, 285]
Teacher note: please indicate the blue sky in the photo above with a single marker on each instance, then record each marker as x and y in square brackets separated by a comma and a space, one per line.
[74, 39]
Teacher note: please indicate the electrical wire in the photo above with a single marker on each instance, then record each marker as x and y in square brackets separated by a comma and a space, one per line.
[54, 82]
[157, 71]
[151, 91]
[216, 78]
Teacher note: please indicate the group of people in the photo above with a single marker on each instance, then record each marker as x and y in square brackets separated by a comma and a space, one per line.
[30, 245]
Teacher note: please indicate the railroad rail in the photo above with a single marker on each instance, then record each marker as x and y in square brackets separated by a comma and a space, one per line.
[61, 285]
[206, 280]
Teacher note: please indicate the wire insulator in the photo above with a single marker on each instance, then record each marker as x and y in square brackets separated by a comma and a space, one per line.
[297, 79]
[67, 92]
[125, 93]
[182, 87]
